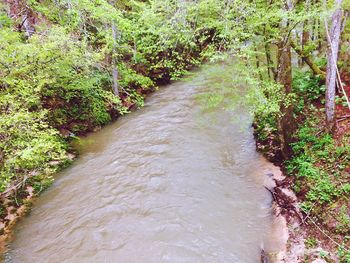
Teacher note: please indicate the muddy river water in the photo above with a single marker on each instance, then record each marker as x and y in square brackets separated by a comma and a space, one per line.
[167, 183]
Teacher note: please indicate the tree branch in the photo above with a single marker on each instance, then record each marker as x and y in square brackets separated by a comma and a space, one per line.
[306, 58]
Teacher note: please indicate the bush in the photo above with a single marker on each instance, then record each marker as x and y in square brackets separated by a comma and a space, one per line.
[27, 146]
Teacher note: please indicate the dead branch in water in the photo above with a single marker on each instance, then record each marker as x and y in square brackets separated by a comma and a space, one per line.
[284, 202]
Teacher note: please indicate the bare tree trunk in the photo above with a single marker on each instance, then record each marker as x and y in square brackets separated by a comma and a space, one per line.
[182, 12]
[29, 29]
[346, 53]
[332, 57]
[257, 61]
[319, 36]
[114, 62]
[271, 71]
[284, 77]
[300, 61]
[19, 11]
[305, 36]
[135, 50]
[314, 28]
[268, 60]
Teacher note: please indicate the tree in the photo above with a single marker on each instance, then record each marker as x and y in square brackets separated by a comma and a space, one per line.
[332, 56]
[114, 62]
[284, 78]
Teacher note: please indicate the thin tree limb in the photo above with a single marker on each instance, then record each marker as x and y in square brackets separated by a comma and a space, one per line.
[306, 58]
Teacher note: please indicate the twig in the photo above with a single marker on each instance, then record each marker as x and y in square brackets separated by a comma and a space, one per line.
[319, 132]
[325, 234]
[307, 214]
[15, 187]
[343, 118]
[272, 193]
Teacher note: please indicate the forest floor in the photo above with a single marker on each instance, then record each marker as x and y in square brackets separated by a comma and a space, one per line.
[319, 174]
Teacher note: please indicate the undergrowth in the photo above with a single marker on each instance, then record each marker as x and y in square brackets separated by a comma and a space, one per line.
[319, 165]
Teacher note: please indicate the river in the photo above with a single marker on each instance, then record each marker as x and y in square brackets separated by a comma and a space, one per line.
[170, 182]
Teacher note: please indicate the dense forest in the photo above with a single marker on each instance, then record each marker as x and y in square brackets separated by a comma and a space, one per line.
[68, 67]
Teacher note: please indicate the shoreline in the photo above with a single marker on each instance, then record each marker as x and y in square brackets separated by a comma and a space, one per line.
[28, 195]
[279, 224]
[285, 205]
[281, 235]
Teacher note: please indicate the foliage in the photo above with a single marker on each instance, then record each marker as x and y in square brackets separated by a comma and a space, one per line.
[319, 161]
[307, 87]
[316, 159]
[343, 252]
[57, 83]
[28, 145]
[57, 79]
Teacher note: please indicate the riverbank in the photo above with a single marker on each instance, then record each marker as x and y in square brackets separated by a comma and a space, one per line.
[18, 199]
[152, 191]
[66, 70]
[318, 174]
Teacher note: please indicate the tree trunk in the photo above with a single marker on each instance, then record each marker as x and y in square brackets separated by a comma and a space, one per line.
[284, 77]
[257, 61]
[270, 67]
[26, 24]
[285, 123]
[182, 12]
[268, 60]
[320, 38]
[114, 62]
[305, 32]
[332, 57]
[18, 10]
[314, 33]
[305, 36]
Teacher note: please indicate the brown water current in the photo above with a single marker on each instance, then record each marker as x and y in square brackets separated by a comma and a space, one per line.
[167, 183]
